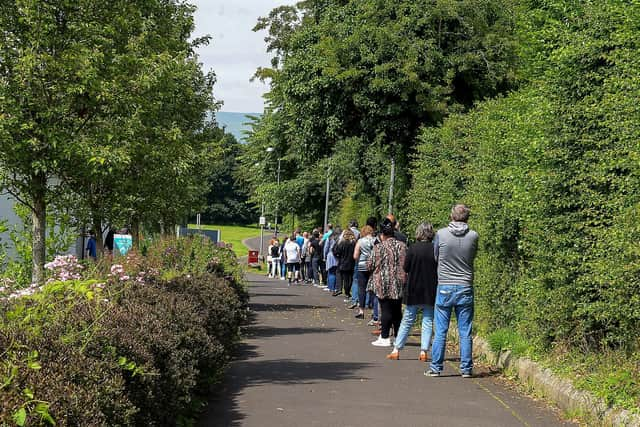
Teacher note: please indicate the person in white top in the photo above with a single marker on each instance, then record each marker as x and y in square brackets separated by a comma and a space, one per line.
[292, 258]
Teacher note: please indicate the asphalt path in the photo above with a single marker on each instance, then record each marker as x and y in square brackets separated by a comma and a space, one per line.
[306, 361]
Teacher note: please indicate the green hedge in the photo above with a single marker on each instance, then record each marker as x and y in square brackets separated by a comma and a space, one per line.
[121, 351]
[552, 175]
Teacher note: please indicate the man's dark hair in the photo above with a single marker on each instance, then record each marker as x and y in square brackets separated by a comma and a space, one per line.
[387, 227]
[372, 222]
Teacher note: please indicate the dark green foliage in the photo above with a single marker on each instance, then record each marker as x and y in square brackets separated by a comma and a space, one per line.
[126, 353]
[355, 80]
[551, 173]
[227, 202]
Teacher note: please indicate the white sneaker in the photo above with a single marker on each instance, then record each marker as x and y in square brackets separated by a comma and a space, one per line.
[281, 278]
[382, 342]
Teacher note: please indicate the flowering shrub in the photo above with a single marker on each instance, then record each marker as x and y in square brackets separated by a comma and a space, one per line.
[64, 268]
[116, 344]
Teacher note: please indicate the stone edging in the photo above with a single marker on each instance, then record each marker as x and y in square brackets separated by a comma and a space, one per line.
[560, 391]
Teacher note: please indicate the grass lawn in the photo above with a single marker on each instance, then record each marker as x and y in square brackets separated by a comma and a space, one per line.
[233, 234]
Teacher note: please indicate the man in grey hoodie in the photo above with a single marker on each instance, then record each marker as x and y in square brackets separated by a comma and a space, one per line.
[455, 250]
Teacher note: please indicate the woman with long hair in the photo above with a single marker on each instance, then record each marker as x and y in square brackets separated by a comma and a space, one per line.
[420, 291]
[387, 274]
[346, 264]
[361, 255]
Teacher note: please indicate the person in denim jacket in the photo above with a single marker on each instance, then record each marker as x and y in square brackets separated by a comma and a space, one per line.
[455, 249]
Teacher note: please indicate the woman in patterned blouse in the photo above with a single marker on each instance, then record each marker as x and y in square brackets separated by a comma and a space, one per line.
[386, 264]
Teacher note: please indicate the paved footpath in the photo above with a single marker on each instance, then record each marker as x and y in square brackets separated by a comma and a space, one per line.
[305, 361]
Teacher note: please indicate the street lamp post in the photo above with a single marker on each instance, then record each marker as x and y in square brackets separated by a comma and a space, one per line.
[271, 150]
[326, 200]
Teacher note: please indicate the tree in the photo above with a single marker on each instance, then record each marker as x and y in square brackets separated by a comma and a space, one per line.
[103, 99]
[371, 73]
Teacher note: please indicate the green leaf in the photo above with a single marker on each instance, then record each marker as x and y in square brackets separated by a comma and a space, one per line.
[42, 409]
[20, 416]
[28, 392]
[34, 365]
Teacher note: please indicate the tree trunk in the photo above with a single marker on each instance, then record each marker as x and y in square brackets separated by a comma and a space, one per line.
[39, 219]
[135, 232]
[97, 228]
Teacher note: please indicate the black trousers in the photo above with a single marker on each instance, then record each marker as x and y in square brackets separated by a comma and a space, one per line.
[391, 316]
[346, 281]
[323, 271]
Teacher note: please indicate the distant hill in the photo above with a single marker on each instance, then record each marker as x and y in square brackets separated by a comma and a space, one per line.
[234, 123]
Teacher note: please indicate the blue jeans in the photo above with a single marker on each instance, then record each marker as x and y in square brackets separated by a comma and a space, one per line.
[374, 297]
[283, 268]
[354, 288]
[459, 299]
[331, 278]
[315, 265]
[409, 318]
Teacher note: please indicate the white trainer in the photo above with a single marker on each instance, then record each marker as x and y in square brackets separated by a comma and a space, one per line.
[382, 342]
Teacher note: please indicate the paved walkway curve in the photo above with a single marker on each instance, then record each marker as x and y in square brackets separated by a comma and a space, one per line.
[306, 361]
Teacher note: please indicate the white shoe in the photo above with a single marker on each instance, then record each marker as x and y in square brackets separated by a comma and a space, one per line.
[382, 342]
[281, 278]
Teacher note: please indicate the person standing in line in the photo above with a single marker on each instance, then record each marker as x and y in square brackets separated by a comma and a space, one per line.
[361, 254]
[332, 264]
[344, 253]
[353, 226]
[455, 249]
[420, 291]
[282, 258]
[372, 299]
[269, 259]
[292, 259]
[305, 264]
[387, 273]
[323, 260]
[315, 252]
[300, 241]
[400, 236]
[275, 257]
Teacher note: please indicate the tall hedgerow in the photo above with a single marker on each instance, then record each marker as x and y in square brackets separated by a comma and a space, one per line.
[552, 176]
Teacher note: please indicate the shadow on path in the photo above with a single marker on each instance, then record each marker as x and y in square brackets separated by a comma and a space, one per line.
[269, 332]
[246, 372]
[285, 307]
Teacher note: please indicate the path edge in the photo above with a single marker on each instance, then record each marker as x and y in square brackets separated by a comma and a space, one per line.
[560, 391]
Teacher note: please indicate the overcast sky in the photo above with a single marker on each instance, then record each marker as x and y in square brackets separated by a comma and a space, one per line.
[235, 52]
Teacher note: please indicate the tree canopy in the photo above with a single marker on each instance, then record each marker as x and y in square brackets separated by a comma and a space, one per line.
[352, 82]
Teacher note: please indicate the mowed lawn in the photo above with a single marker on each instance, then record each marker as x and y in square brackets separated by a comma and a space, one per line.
[233, 234]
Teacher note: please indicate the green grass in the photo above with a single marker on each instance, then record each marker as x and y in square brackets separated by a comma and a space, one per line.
[234, 234]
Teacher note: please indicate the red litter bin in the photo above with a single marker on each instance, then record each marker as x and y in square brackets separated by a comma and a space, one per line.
[253, 259]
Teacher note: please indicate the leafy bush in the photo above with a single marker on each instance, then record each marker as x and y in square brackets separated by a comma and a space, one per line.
[551, 174]
[125, 350]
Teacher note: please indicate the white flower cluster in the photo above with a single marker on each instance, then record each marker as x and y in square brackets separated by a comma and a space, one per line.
[117, 270]
[32, 289]
[64, 268]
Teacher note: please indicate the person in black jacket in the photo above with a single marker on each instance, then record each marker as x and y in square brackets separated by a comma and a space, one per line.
[420, 291]
[343, 252]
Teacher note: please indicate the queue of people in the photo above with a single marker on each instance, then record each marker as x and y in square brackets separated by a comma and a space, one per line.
[374, 268]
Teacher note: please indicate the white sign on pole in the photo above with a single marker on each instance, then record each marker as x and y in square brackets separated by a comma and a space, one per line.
[263, 220]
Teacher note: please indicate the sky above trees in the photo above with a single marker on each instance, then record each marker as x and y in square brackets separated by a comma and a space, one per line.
[235, 51]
